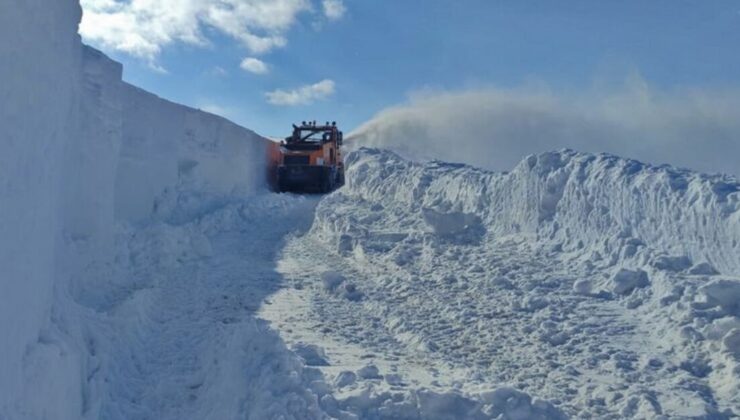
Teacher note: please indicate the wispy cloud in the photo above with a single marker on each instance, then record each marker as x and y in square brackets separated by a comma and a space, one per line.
[334, 9]
[304, 95]
[217, 71]
[254, 65]
[496, 128]
[142, 28]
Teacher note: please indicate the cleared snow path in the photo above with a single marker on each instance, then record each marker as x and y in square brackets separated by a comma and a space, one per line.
[444, 327]
[185, 343]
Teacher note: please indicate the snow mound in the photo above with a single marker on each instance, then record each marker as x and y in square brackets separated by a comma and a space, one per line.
[574, 200]
[625, 281]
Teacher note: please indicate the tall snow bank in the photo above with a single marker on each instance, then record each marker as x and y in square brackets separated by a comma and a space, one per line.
[573, 200]
[169, 147]
[80, 151]
[39, 94]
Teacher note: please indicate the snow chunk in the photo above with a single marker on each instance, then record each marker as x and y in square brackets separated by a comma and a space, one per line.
[731, 343]
[703, 269]
[448, 405]
[350, 292]
[509, 403]
[313, 355]
[583, 287]
[718, 328]
[336, 283]
[672, 263]
[369, 372]
[625, 281]
[394, 379]
[454, 225]
[345, 378]
[724, 293]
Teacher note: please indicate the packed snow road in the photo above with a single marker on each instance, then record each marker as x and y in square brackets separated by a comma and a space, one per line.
[184, 343]
[173, 333]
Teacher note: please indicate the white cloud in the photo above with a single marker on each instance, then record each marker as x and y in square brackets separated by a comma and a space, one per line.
[217, 71]
[496, 128]
[334, 9]
[254, 65]
[143, 28]
[304, 95]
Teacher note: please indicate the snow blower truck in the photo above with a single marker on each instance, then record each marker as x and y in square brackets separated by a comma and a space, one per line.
[310, 160]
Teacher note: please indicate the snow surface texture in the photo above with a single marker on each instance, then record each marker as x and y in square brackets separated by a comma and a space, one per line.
[81, 152]
[605, 286]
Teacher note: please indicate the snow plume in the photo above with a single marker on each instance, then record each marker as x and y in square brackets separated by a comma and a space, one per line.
[305, 95]
[143, 28]
[495, 128]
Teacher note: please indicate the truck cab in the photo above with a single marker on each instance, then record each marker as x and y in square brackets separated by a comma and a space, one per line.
[311, 160]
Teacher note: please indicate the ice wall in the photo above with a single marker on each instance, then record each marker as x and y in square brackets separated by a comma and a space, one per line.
[81, 151]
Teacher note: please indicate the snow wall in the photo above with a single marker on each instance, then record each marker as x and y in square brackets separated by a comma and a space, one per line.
[576, 201]
[169, 146]
[81, 152]
[39, 95]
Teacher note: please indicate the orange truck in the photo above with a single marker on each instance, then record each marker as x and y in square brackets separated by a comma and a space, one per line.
[310, 160]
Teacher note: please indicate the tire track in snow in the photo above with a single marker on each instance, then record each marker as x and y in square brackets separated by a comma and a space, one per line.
[456, 335]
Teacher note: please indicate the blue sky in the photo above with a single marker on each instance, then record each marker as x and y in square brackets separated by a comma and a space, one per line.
[377, 53]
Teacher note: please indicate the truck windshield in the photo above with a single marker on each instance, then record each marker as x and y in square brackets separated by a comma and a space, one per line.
[314, 136]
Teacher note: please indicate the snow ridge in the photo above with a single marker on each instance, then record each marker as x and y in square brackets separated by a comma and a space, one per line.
[573, 200]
